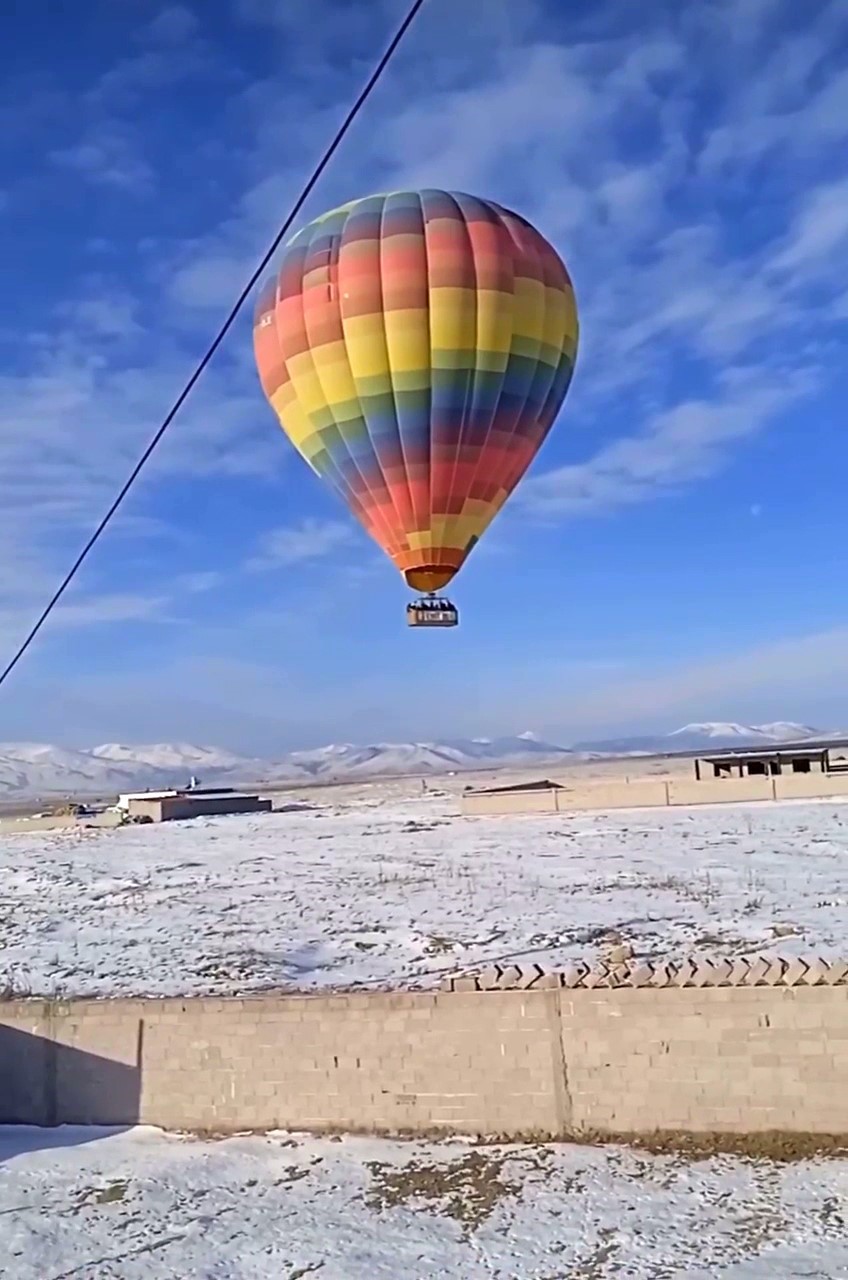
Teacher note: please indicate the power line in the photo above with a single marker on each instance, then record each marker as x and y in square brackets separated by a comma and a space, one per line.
[358, 104]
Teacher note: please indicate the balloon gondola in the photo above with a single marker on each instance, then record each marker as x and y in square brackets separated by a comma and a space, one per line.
[432, 611]
[417, 348]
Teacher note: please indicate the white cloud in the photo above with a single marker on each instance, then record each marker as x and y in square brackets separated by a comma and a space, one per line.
[108, 157]
[531, 94]
[820, 230]
[424, 125]
[173, 52]
[684, 443]
[49, 473]
[102, 313]
[172, 25]
[197, 583]
[73, 425]
[210, 282]
[788, 102]
[309, 540]
[109, 607]
[75, 612]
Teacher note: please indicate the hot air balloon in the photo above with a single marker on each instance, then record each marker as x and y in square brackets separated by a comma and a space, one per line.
[417, 347]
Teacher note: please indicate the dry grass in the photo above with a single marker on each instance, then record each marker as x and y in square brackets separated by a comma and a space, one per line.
[772, 1145]
[468, 1190]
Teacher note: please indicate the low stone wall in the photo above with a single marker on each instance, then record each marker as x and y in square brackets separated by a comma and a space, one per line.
[11, 825]
[651, 793]
[740, 1046]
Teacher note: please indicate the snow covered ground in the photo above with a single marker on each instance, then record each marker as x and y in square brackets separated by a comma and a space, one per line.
[81, 1205]
[379, 887]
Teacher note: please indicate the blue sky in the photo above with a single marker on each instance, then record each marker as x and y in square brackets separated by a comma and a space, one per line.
[678, 550]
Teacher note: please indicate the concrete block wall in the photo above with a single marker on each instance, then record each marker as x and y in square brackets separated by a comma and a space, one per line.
[720, 791]
[742, 1046]
[720, 1059]
[510, 802]
[383, 1062]
[612, 795]
[797, 786]
[651, 793]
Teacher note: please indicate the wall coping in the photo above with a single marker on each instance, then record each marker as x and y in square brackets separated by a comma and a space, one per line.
[692, 972]
[736, 971]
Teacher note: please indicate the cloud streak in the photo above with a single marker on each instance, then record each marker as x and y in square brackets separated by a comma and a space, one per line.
[790, 672]
[687, 442]
[310, 540]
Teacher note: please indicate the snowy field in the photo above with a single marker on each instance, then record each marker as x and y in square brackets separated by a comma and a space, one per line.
[82, 1205]
[374, 886]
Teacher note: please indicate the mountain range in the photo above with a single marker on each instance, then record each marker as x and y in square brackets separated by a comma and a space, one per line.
[37, 769]
[34, 769]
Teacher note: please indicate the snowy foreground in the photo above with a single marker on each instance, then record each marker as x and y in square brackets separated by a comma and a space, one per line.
[376, 887]
[78, 1205]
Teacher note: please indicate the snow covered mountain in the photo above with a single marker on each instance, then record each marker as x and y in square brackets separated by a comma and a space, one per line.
[33, 769]
[349, 760]
[169, 755]
[780, 731]
[36, 769]
[711, 735]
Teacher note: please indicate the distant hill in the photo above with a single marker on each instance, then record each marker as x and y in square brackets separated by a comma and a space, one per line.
[711, 736]
[385, 758]
[45, 770]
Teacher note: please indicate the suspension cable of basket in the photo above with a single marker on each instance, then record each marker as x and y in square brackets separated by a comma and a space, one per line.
[363, 96]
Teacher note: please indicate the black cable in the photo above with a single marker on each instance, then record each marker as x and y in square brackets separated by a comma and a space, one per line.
[360, 101]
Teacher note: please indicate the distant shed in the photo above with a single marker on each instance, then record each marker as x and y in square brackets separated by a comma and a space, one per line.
[519, 797]
[543, 785]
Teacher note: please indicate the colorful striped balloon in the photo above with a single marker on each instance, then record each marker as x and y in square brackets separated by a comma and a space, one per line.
[417, 348]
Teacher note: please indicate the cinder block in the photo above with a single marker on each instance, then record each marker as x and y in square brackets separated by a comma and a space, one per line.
[810, 1047]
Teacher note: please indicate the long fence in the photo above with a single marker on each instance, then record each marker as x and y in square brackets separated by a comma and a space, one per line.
[733, 1046]
[655, 792]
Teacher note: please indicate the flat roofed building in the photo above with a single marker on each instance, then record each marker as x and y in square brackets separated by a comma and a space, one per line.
[760, 762]
[180, 805]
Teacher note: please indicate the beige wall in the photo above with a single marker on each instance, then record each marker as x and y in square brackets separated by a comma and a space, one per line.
[547, 1062]
[510, 802]
[613, 795]
[58, 822]
[741, 1060]
[152, 809]
[797, 785]
[720, 791]
[649, 793]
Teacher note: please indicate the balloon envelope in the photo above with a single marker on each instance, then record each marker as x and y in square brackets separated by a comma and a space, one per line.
[417, 348]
